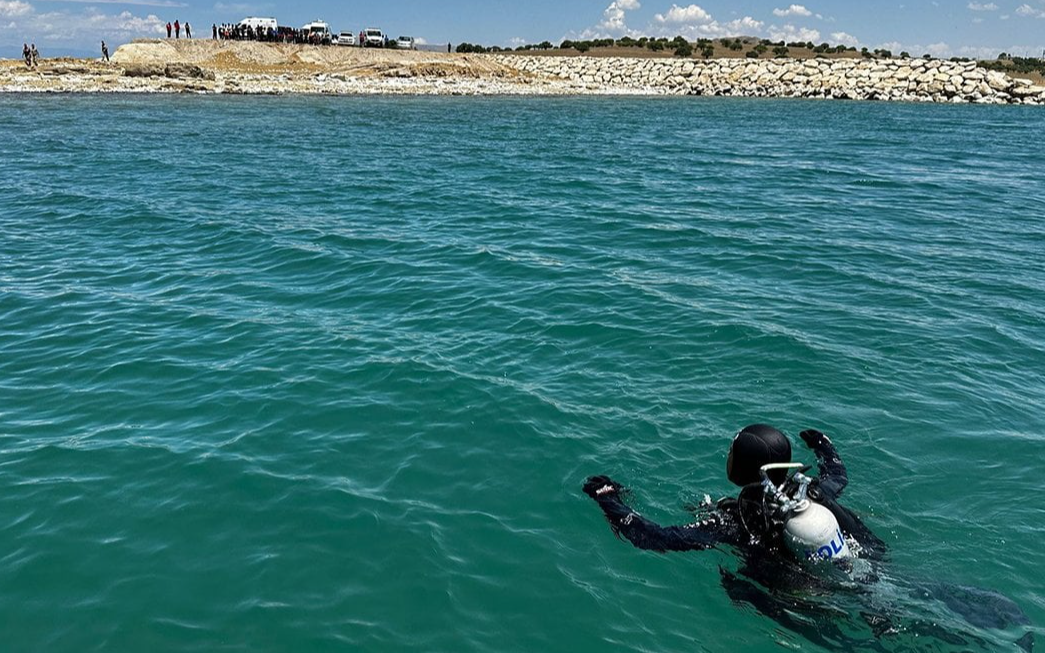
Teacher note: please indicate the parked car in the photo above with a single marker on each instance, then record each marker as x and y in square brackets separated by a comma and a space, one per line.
[317, 32]
[375, 38]
[405, 43]
[346, 38]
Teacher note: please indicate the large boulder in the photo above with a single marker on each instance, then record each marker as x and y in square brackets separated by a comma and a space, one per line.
[999, 81]
[186, 71]
[1028, 91]
[143, 70]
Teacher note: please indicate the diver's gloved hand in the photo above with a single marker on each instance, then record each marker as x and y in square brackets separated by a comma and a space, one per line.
[813, 438]
[601, 487]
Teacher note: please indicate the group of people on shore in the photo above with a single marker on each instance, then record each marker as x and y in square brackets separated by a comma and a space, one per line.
[177, 27]
[31, 55]
[240, 32]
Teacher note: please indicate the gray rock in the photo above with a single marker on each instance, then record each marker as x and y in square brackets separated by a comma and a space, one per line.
[144, 70]
[186, 71]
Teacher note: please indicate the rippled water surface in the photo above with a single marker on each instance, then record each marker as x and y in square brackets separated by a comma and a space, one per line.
[327, 374]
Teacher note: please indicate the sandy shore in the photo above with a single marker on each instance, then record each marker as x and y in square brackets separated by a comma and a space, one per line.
[206, 66]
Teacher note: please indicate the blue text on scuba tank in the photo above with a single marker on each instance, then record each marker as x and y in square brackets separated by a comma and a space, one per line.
[829, 550]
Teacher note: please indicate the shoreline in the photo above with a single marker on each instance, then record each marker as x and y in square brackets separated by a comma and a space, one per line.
[251, 68]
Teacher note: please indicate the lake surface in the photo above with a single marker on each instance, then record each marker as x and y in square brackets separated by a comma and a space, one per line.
[316, 374]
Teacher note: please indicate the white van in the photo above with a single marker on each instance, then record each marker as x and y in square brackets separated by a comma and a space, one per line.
[319, 31]
[256, 22]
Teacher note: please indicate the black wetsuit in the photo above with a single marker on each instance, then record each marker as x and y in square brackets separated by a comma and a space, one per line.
[768, 577]
[742, 521]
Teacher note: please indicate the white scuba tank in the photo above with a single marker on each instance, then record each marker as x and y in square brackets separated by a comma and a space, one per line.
[812, 533]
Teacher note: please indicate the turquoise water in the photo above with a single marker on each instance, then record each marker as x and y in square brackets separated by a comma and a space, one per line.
[306, 374]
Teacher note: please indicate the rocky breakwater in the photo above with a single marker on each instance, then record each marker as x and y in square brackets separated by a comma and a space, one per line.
[910, 80]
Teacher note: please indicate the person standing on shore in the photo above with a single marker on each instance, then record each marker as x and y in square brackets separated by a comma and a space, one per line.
[188, 30]
[177, 29]
[105, 52]
[34, 56]
[214, 30]
[168, 29]
[26, 55]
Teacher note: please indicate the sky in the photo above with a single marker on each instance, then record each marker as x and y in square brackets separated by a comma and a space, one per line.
[943, 28]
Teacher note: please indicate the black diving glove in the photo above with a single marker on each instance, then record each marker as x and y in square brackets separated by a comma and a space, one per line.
[602, 487]
[813, 438]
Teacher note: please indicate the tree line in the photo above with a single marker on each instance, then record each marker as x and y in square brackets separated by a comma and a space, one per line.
[707, 48]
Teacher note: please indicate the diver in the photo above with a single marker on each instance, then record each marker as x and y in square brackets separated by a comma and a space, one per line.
[742, 521]
[777, 581]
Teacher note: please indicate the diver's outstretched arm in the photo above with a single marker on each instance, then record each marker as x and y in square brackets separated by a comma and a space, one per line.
[833, 477]
[645, 534]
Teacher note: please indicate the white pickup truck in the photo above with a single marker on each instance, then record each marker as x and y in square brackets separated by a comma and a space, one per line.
[375, 38]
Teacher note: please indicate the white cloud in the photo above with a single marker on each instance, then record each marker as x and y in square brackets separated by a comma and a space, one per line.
[10, 8]
[237, 8]
[991, 52]
[792, 33]
[63, 30]
[1027, 10]
[980, 52]
[690, 14]
[745, 26]
[793, 10]
[938, 49]
[146, 3]
[613, 18]
[693, 22]
[842, 38]
[977, 6]
[125, 22]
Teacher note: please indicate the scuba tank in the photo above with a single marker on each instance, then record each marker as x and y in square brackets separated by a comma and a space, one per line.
[810, 530]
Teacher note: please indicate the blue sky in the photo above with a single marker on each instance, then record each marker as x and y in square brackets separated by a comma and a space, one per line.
[940, 27]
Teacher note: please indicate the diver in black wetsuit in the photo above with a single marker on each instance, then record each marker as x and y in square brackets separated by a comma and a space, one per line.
[771, 574]
[741, 521]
